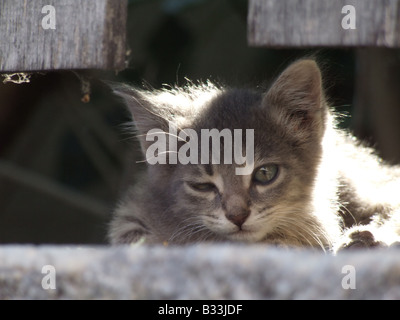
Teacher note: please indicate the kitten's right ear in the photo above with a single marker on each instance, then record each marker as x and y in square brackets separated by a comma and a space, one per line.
[145, 113]
[296, 100]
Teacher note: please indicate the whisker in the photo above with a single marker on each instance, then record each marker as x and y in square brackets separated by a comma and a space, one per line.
[185, 227]
[341, 205]
[304, 230]
[160, 132]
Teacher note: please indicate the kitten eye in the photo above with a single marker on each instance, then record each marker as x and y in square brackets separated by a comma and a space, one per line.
[266, 174]
[204, 187]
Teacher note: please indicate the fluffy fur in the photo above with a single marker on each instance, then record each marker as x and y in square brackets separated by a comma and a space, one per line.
[330, 193]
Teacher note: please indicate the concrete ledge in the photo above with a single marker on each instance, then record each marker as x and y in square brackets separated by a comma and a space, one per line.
[196, 272]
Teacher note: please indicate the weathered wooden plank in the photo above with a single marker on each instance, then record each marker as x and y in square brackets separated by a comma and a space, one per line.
[303, 23]
[77, 34]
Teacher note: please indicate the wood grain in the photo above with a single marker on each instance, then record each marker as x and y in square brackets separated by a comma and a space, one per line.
[89, 34]
[308, 23]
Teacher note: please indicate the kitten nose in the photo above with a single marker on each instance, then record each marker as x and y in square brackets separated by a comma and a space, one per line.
[238, 216]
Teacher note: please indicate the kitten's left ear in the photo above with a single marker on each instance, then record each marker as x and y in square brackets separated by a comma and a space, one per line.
[296, 100]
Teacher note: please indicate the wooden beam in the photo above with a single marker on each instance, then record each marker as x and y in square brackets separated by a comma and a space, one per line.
[308, 23]
[70, 34]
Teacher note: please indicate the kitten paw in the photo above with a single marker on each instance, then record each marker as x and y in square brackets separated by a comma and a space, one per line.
[362, 239]
[395, 245]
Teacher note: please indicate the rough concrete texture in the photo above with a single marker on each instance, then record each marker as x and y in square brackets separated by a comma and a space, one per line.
[197, 272]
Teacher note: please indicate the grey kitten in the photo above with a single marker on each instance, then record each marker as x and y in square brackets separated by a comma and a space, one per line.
[313, 185]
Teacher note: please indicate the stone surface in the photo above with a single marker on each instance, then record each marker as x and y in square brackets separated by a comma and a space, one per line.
[197, 272]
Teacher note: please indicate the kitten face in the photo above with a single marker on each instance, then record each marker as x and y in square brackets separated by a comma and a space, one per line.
[231, 206]
[248, 207]
[211, 202]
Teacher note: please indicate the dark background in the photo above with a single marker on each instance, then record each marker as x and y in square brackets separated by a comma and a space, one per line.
[63, 162]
